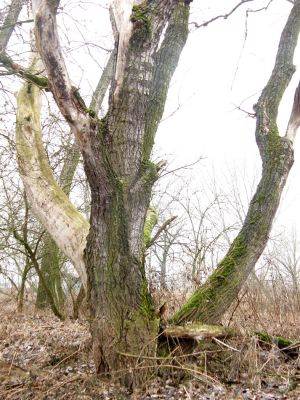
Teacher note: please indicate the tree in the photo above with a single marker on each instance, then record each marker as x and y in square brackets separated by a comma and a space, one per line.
[116, 152]
[211, 300]
[109, 253]
[51, 259]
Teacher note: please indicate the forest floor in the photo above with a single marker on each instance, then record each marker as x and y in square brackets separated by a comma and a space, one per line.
[44, 358]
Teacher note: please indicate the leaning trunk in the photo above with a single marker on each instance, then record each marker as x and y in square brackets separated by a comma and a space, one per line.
[209, 303]
[51, 257]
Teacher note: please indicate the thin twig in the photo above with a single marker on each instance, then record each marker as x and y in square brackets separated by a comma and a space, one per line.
[160, 230]
[11, 364]
[65, 358]
[59, 384]
[225, 345]
[223, 16]
[186, 166]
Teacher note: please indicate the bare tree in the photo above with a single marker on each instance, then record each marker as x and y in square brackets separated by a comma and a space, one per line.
[109, 252]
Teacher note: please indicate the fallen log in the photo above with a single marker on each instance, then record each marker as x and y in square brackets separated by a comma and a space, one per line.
[198, 331]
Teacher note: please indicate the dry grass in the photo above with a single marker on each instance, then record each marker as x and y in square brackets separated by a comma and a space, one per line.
[44, 358]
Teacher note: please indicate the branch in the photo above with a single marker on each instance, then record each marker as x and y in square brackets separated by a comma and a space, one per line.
[26, 74]
[100, 91]
[223, 16]
[25, 21]
[67, 98]
[72, 155]
[198, 332]
[294, 121]
[166, 60]
[160, 230]
[10, 22]
[35, 264]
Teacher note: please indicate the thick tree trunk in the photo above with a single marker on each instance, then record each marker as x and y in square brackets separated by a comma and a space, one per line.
[116, 153]
[124, 326]
[211, 300]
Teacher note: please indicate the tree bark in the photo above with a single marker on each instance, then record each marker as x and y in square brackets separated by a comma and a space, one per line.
[51, 260]
[116, 152]
[66, 225]
[21, 290]
[50, 269]
[209, 303]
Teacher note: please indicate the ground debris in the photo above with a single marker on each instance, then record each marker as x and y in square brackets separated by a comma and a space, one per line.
[42, 358]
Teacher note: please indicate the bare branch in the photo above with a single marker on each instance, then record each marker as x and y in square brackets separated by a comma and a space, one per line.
[24, 73]
[10, 23]
[67, 98]
[223, 16]
[103, 84]
[160, 230]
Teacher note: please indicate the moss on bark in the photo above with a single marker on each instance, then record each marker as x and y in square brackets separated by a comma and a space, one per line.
[212, 299]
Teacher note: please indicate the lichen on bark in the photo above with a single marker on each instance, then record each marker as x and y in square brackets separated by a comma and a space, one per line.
[46, 197]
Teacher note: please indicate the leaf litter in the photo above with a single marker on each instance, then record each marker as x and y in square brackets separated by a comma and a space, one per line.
[42, 358]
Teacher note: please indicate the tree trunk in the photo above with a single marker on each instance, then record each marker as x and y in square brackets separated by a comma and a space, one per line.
[50, 269]
[77, 302]
[124, 326]
[9, 23]
[209, 303]
[116, 153]
[51, 264]
[51, 259]
[21, 291]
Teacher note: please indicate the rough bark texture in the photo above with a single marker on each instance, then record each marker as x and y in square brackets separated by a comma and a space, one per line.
[50, 269]
[123, 314]
[212, 299]
[51, 260]
[116, 153]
